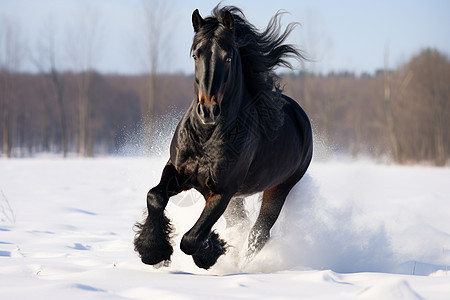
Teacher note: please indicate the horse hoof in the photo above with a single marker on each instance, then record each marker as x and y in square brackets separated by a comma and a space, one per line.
[156, 258]
[152, 240]
[153, 253]
[210, 251]
[162, 264]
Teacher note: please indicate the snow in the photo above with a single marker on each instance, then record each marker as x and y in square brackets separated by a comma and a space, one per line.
[349, 230]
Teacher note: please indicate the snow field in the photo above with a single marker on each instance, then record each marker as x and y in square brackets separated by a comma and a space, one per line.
[349, 230]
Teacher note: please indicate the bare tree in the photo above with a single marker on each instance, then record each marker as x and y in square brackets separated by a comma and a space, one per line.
[432, 92]
[156, 30]
[391, 126]
[11, 48]
[317, 45]
[47, 64]
[438, 101]
[83, 46]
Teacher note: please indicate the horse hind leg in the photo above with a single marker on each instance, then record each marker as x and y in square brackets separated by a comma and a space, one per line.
[272, 202]
[236, 214]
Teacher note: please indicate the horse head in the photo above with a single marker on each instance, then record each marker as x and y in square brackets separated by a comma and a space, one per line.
[214, 54]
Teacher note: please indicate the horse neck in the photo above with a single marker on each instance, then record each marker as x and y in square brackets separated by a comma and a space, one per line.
[238, 93]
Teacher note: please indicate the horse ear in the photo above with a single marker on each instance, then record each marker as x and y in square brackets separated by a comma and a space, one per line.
[228, 21]
[197, 20]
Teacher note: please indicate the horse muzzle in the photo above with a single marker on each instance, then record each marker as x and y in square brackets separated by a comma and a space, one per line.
[208, 111]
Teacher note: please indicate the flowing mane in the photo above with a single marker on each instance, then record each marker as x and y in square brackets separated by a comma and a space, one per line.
[261, 51]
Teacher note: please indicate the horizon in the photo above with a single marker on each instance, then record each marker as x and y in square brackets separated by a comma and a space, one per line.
[348, 37]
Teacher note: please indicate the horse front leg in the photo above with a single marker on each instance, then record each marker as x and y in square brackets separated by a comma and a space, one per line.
[206, 246]
[152, 240]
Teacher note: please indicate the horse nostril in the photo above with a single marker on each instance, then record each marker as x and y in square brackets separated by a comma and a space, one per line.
[208, 113]
[216, 110]
[200, 110]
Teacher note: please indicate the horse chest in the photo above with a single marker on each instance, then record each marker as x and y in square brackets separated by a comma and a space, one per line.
[201, 171]
[222, 161]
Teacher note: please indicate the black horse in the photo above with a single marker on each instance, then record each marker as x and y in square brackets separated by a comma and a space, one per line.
[240, 136]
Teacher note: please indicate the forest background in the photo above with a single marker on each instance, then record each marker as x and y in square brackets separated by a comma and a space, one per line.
[399, 114]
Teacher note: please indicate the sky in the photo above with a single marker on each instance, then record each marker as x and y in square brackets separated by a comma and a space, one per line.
[338, 36]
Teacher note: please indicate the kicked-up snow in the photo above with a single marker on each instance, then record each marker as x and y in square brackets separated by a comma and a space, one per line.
[349, 230]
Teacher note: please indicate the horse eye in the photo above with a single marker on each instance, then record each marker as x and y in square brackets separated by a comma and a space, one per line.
[228, 60]
[194, 57]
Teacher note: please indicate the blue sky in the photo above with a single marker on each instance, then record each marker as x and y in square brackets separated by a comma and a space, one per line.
[339, 35]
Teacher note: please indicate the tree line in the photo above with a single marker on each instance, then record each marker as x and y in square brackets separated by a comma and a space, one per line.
[402, 114]
[117, 106]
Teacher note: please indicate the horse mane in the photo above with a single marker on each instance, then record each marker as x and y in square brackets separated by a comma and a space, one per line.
[261, 51]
